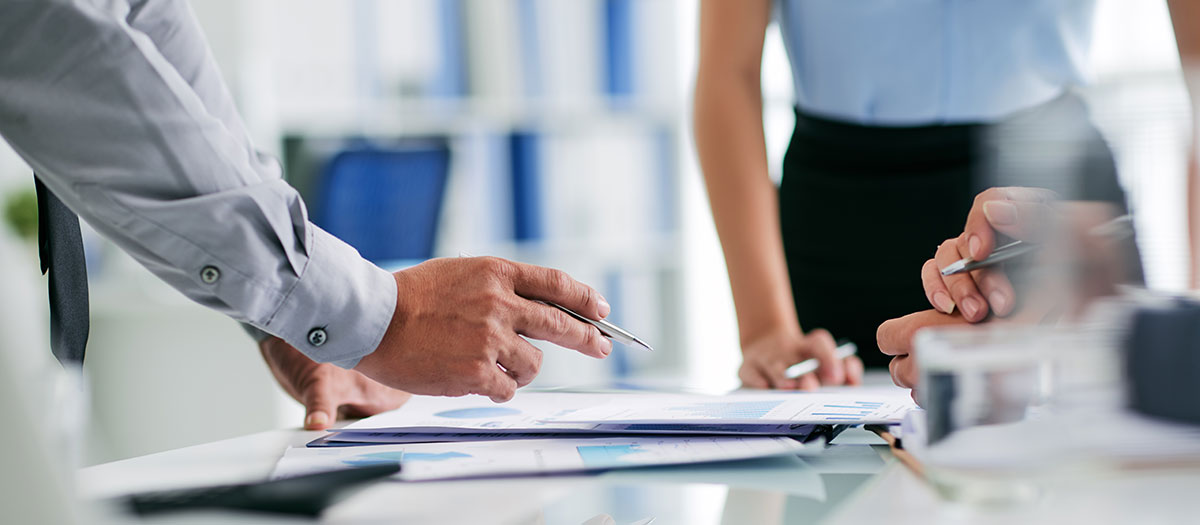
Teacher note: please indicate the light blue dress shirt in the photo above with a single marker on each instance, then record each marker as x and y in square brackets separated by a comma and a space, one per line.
[916, 62]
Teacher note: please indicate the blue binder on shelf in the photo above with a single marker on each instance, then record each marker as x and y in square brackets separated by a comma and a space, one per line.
[385, 201]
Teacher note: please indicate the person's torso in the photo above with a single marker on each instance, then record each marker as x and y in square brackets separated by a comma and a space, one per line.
[916, 62]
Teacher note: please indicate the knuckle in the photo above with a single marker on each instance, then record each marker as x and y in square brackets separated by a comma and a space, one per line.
[948, 246]
[480, 372]
[494, 299]
[557, 322]
[490, 264]
[592, 337]
[963, 289]
[495, 334]
[590, 296]
[535, 361]
[560, 280]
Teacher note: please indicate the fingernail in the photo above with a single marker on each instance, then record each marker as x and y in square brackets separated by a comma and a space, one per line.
[971, 307]
[316, 419]
[999, 302]
[943, 302]
[975, 245]
[605, 309]
[1000, 213]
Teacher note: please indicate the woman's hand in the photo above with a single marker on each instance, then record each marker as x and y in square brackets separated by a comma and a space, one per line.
[1018, 213]
[766, 358]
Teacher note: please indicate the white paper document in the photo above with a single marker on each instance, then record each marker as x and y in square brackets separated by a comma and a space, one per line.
[538, 412]
[523, 413]
[435, 461]
[743, 408]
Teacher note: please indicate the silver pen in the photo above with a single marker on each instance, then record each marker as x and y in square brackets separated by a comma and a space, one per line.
[1008, 251]
[1117, 228]
[810, 365]
[606, 328]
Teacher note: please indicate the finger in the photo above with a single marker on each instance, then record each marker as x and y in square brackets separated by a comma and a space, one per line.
[807, 382]
[993, 283]
[895, 335]
[892, 369]
[376, 399]
[904, 371]
[320, 405]
[547, 323]
[547, 284]
[496, 384]
[854, 370]
[776, 374]
[1020, 219]
[978, 235]
[522, 360]
[961, 286]
[752, 377]
[979, 232]
[822, 346]
[935, 287]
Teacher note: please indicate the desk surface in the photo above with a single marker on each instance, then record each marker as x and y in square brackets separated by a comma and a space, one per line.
[762, 491]
[855, 482]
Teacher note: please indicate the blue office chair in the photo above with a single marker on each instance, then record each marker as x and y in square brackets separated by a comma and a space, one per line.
[385, 201]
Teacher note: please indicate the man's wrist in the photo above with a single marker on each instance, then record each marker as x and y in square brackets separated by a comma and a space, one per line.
[340, 309]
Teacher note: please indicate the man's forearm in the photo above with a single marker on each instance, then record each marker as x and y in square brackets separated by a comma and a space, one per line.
[121, 137]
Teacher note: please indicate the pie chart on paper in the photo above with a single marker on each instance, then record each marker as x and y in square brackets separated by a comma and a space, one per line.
[478, 412]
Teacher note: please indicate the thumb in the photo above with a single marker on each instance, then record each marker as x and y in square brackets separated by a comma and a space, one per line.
[319, 406]
[1019, 220]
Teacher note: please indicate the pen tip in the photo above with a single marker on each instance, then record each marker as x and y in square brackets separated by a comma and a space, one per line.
[643, 343]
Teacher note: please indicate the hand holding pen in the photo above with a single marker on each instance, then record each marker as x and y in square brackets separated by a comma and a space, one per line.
[1014, 212]
[963, 273]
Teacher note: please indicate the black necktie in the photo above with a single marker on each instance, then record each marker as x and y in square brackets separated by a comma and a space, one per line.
[60, 246]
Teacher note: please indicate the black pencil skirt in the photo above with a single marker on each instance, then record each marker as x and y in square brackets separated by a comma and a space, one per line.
[863, 207]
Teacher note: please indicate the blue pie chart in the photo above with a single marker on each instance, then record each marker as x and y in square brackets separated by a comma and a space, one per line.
[478, 412]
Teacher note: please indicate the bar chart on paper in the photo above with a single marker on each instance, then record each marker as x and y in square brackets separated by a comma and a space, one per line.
[849, 411]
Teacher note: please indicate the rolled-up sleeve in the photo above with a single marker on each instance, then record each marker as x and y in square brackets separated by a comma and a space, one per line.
[116, 132]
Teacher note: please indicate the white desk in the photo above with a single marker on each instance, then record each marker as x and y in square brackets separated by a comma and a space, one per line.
[854, 483]
[758, 492]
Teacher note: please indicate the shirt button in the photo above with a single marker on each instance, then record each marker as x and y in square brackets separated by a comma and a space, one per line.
[317, 336]
[210, 274]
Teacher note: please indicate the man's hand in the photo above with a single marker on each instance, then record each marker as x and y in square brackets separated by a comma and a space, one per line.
[766, 358]
[1018, 213]
[896, 339]
[326, 391]
[459, 323]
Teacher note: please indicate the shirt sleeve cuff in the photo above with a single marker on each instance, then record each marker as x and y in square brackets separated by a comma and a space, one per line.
[341, 306]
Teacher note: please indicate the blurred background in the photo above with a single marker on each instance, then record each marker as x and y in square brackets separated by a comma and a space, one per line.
[547, 131]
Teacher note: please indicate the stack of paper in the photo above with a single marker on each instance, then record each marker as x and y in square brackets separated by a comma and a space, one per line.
[544, 432]
[546, 414]
[430, 461]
